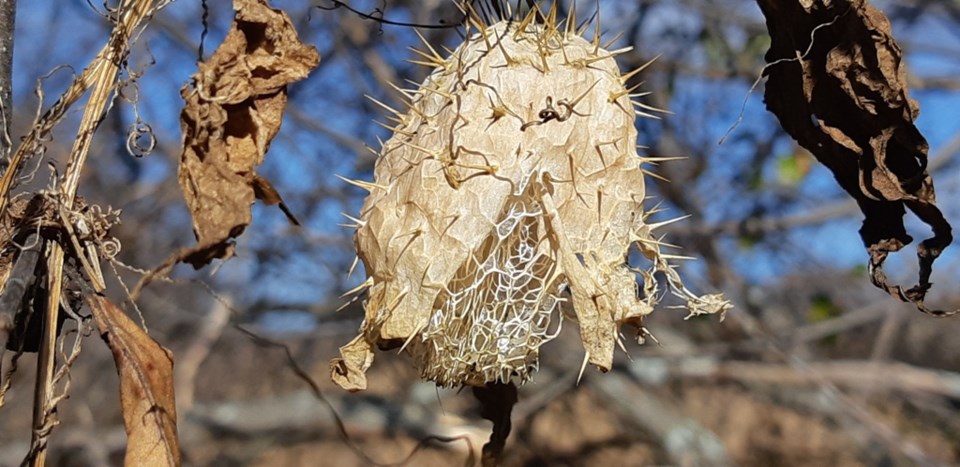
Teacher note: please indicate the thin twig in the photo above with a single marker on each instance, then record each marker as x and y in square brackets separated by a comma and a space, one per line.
[8, 15]
[43, 390]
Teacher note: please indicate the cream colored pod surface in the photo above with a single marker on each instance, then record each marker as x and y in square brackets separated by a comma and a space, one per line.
[510, 186]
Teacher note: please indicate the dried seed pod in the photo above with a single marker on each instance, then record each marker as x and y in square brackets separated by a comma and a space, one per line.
[511, 184]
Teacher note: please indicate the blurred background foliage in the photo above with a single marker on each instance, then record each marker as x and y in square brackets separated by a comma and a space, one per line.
[813, 367]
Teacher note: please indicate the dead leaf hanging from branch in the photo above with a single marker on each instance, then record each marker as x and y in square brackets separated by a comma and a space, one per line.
[837, 84]
[232, 111]
[146, 387]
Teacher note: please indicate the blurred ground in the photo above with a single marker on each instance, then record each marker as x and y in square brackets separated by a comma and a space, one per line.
[669, 405]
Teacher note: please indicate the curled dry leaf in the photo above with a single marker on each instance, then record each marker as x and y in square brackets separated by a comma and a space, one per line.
[232, 111]
[837, 83]
[512, 179]
[146, 387]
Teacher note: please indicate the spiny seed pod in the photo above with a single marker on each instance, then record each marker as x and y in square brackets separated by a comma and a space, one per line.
[511, 185]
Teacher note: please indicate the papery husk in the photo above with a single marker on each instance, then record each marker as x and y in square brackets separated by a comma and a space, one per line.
[512, 184]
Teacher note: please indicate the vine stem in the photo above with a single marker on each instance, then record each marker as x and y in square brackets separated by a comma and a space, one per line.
[102, 75]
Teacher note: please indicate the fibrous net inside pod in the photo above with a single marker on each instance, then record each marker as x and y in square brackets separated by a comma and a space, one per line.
[511, 184]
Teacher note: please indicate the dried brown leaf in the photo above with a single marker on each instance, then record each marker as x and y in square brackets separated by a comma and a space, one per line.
[232, 111]
[349, 371]
[837, 84]
[146, 387]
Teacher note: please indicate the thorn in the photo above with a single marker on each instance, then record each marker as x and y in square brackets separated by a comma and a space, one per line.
[429, 65]
[654, 175]
[527, 20]
[486, 39]
[622, 347]
[431, 60]
[473, 18]
[408, 96]
[475, 21]
[600, 153]
[618, 52]
[650, 107]
[432, 89]
[652, 337]
[582, 29]
[357, 222]
[385, 106]
[506, 56]
[543, 57]
[341, 307]
[655, 209]
[652, 241]
[580, 98]
[596, 32]
[419, 148]
[396, 301]
[353, 266]
[435, 56]
[394, 128]
[676, 257]
[585, 62]
[413, 108]
[611, 41]
[626, 77]
[657, 225]
[415, 233]
[655, 160]
[563, 51]
[647, 115]
[369, 186]
[583, 366]
[414, 334]
[551, 20]
[571, 21]
[366, 284]
[625, 92]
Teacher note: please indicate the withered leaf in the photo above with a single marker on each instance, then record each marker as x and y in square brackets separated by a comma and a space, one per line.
[837, 84]
[349, 371]
[232, 111]
[146, 387]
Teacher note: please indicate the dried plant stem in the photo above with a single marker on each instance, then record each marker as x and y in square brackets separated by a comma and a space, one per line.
[102, 76]
[105, 64]
[43, 390]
